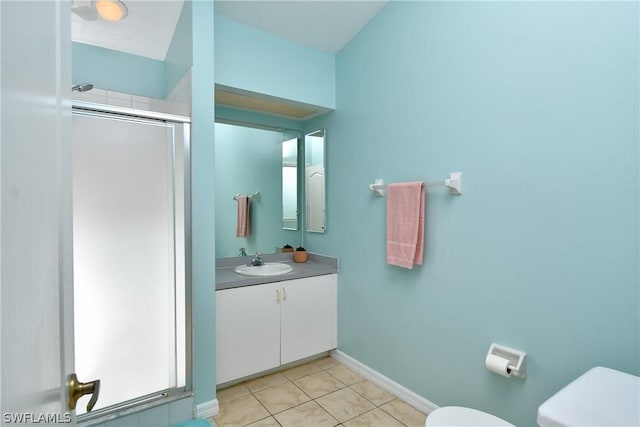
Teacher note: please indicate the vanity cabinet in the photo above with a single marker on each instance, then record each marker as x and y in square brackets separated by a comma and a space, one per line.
[264, 326]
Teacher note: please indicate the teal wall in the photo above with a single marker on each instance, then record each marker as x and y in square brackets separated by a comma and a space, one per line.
[249, 160]
[118, 71]
[203, 204]
[180, 53]
[250, 59]
[537, 104]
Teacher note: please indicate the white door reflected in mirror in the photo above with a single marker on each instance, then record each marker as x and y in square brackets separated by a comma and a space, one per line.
[290, 184]
[315, 181]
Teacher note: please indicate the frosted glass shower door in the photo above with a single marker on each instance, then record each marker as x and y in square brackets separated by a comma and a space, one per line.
[128, 226]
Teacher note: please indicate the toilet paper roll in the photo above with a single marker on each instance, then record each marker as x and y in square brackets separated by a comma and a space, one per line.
[498, 364]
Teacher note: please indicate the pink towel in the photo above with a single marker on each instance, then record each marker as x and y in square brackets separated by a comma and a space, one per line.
[405, 224]
[243, 228]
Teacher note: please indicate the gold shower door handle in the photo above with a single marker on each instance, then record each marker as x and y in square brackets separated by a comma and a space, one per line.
[78, 389]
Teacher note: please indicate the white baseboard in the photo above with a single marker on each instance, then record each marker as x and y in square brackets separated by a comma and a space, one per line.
[207, 409]
[403, 393]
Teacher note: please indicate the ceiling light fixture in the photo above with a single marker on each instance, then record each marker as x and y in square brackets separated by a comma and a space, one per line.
[111, 10]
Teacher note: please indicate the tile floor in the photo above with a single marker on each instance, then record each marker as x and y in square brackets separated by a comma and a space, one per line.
[317, 394]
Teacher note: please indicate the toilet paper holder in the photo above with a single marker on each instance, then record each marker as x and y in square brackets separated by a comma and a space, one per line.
[516, 358]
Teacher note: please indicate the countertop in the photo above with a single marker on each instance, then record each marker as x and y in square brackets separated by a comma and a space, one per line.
[316, 265]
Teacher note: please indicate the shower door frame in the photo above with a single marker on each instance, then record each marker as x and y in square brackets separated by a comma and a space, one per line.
[177, 393]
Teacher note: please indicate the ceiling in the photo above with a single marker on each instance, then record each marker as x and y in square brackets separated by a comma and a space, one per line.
[148, 29]
[324, 25]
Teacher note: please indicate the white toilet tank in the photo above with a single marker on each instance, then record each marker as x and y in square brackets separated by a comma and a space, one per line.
[599, 397]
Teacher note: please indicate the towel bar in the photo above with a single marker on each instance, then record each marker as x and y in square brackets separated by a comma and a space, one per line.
[254, 196]
[454, 183]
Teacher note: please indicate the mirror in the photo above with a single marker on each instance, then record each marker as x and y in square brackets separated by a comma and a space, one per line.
[314, 144]
[250, 160]
[290, 184]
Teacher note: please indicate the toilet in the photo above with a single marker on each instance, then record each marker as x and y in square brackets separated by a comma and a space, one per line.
[599, 397]
[461, 416]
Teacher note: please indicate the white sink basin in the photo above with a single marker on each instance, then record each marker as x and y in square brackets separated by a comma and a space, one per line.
[267, 269]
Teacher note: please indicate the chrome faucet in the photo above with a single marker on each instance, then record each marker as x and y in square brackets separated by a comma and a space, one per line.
[242, 252]
[257, 260]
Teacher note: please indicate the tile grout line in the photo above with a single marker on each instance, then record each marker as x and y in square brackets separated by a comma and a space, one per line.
[373, 409]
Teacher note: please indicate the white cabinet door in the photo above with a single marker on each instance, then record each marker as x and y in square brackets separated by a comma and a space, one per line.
[308, 316]
[247, 331]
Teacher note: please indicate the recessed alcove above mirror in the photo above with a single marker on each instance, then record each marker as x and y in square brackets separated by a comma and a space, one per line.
[257, 102]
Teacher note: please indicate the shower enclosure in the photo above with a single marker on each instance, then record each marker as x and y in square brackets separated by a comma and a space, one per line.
[131, 256]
